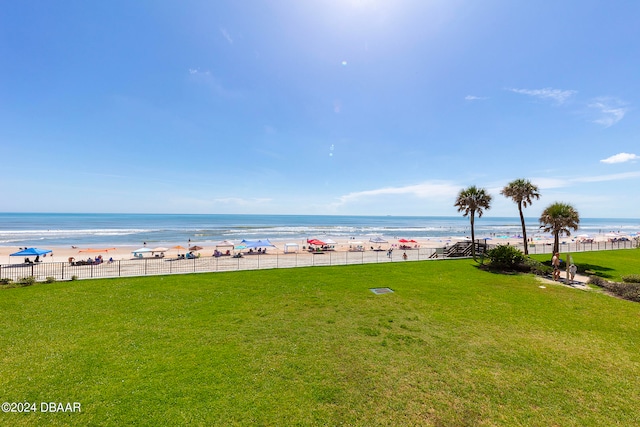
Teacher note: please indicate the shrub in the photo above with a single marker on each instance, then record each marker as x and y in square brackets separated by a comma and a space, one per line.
[5, 281]
[631, 278]
[505, 256]
[50, 279]
[536, 267]
[597, 280]
[27, 281]
[74, 277]
[628, 291]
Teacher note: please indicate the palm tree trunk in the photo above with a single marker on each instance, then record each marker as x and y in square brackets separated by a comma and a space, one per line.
[524, 230]
[556, 241]
[473, 236]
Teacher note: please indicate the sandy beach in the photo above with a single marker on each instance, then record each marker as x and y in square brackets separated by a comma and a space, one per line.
[65, 263]
[62, 254]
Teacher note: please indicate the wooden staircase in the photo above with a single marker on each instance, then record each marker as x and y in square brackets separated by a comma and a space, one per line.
[460, 249]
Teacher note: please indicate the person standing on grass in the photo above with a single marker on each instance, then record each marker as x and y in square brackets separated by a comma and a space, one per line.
[555, 262]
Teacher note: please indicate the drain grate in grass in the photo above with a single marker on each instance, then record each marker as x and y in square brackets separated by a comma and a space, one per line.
[380, 291]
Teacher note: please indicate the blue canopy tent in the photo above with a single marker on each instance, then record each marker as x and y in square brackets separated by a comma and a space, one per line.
[32, 252]
[257, 243]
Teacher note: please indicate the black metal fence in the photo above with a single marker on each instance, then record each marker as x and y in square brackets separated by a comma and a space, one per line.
[160, 266]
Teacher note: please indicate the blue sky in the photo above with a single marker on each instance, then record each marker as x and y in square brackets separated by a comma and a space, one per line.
[363, 107]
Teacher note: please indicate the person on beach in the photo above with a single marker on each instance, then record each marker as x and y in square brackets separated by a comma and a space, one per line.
[555, 262]
[404, 256]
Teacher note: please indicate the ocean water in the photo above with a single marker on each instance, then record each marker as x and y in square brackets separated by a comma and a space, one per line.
[93, 230]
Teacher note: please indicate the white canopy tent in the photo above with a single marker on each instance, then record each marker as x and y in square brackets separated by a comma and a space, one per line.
[291, 247]
[224, 244]
[138, 253]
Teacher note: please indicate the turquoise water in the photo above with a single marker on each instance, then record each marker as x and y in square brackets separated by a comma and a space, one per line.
[58, 229]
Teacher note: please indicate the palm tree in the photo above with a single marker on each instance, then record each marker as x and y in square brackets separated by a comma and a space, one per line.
[559, 218]
[471, 200]
[521, 191]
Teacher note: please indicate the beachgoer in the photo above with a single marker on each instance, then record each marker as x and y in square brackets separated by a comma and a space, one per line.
[404, 256]
[572, 271]
[555, 262]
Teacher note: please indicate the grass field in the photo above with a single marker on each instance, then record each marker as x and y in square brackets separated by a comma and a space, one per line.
[452, 346]
[610, 265]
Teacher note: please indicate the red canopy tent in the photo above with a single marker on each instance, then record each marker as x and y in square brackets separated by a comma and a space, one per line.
[407, 241]
[315, 242]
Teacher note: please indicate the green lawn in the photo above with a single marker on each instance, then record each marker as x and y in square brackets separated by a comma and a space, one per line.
[452, 346]
[610, 265]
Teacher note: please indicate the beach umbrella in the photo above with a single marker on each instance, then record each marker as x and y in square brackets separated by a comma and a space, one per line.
[196, 248]
[31, 252]
[178, 248]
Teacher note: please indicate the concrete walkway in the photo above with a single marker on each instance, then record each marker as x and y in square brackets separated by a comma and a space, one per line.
[579, 281]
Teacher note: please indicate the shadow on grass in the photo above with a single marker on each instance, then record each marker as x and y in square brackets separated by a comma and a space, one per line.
[488, 268]
[595, 270]
[587, 269]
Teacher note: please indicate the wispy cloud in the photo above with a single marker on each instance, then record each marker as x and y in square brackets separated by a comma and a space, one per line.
[611, 177]
[197, 72]
[423, 190]
[557, 95]
[475, 98]
[226, 35]
[620, 158]
[562, 182]
[611, 110]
